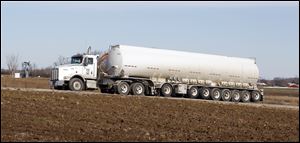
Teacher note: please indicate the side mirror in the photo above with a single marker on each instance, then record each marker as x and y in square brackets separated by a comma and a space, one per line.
[85, 62]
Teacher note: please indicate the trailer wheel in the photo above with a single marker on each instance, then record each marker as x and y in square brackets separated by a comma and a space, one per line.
[226, 95]
[255, 96]
[193, 92]
[245, 96]
[76, 84]
[166, 90]
[138, 88]
[205, 92]
[236, 96]
[123, 88]
[216, 94]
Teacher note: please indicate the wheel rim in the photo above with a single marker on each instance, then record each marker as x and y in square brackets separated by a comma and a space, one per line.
[246, 96]
[194, 91]
[139, 89]
[206, 92]
[167, 90]
[124, 88]
[77, 85]
[226, 95]
[256, 96]
[236, 96]
[217, 94]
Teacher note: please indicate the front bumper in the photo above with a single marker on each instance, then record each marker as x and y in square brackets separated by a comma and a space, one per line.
[56, 83]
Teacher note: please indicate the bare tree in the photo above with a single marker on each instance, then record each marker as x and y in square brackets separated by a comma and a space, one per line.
[12, 63]
[60, 61]
[96, 52]
[33, 69]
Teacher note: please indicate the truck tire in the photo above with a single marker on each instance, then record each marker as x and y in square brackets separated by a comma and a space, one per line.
[226, 95]
[166, 90]
[204, 93]
[123, 88]
[255, 96]
[193, 92]
[236, 96]
[245, 96]
[137, 88]
[76, 84]
[216, 94]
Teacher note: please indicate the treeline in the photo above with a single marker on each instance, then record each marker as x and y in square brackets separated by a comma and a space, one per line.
[38, 72]
[277, 81]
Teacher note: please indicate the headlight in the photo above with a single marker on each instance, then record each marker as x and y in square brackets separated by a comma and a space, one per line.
[66, 77]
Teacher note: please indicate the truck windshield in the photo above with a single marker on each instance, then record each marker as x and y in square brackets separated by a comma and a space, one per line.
[76, 60]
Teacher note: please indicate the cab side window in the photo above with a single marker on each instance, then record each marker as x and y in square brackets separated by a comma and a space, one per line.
[90, 61]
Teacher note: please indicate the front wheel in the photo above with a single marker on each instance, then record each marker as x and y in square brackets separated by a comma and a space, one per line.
[76, 84]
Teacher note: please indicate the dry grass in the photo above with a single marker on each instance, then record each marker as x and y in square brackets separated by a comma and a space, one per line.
[32, 82]
[294, 92]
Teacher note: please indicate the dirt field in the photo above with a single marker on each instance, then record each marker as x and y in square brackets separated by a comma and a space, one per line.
[8, 81]
[66, 116]
[292, 92]
[278, 96]
[47, 116]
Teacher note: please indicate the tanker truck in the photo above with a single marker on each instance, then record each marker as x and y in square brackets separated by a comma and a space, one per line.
[125, 70]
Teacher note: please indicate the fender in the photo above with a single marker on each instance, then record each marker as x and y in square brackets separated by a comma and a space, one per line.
[79, 76]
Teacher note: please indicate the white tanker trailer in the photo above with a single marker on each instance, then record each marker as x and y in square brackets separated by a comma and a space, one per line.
[150, 71]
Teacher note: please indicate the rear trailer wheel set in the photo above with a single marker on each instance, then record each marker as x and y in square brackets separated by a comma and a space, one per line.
[194, 92]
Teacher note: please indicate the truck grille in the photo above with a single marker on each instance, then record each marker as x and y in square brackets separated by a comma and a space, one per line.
[54, 74]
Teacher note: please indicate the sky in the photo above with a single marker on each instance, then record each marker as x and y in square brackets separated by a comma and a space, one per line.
[40, 32]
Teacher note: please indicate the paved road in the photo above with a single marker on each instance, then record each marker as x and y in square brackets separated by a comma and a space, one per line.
[259, 104]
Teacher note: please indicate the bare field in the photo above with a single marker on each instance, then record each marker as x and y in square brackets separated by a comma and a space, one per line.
[293, 92]
[32, 82]
[44, 115]
[52, 116]
[280, 96]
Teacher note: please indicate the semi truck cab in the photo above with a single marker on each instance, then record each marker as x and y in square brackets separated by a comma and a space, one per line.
[80, 74]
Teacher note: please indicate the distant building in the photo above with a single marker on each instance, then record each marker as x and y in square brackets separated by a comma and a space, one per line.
[17, 75]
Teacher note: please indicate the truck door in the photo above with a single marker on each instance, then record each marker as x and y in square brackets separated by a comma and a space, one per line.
[89, 68]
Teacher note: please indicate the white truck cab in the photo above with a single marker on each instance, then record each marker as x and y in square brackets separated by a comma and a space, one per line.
[80, 74]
